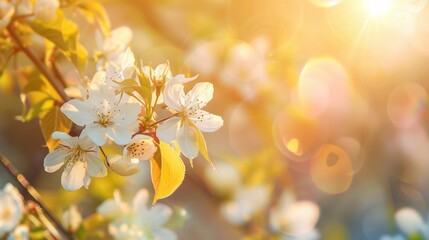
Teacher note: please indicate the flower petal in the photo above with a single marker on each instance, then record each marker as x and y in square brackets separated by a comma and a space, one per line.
[121, 165]
[73, 176]
[95, 167]
[409, 221]
[55, 160]
[119, 134]
[187, 140]
[174, 96]
[140, 200]
[127, 114]
[159, 215]
[199, 95]
[205, 121]
[167, 132]
[96, 133]
[79, 112]
[60, 135]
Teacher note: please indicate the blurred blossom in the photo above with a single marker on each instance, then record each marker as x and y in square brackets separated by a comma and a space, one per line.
[406, 105]
[226, 179]
[246, 203]
[135, 220]
[6, 12]
[243, 141]
[414, 143]
[244, 70]
[323, 87]
[71, 219]
[411, 223]
[331, 169]
[204, 57]
[353, 148]
[45, 10]
[112, 47]
[295, 219]
[11, 208]
[21, 232]
[23, 7]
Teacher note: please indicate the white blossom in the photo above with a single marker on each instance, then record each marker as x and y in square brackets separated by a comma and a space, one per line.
[247, 202]
[112, 47]
[136, 220]
[159, 75]
[6, 13]
[71, 218]
[21, 232]
[295, 219]
[11, 208]
[141, 147]
[103, 115]
[80, 157]
[45, 10]
[189, 116]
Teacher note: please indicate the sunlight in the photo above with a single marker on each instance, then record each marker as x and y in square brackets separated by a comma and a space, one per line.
[378, 7]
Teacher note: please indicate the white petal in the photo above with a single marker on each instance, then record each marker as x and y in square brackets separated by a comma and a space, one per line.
[187, 140]
[55, 160]
[109, 209]
[199, 95]
[140, 200]
[96, 133]
[113, 73]
[174, 96]
[73, 176]
[98, 81]
[409, 220]
[119, 134]
[182, 79]
[95, 167]
[79, 112]
[86, 143]
[165, 234]
[205, 121]
[121, 165]
[60, 135]
[167, 132]
[86, 180]
[159, 215]
[127, 114]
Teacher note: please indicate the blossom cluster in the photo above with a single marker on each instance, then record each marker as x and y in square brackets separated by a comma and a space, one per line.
[118, 106]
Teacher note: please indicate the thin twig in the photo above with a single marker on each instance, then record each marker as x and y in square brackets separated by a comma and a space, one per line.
[42, 67]
[32, 195]
[162, 120]
[58, 73]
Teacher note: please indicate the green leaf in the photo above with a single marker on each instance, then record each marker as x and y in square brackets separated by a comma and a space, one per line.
[37, 110]
[93, 10]
[64, 34]
[129, 86]
[60, 31]
[167, 170]
[54, 120]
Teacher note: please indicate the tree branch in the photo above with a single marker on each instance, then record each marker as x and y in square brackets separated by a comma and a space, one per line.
[42, 67]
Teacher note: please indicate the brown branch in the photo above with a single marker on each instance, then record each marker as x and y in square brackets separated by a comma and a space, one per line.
[42, 67]
[34, 196]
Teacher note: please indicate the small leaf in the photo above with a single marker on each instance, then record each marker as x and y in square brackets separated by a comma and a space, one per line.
[53, 121]
[37, 110]
[202, 144]
[168, 171]
[94, 10]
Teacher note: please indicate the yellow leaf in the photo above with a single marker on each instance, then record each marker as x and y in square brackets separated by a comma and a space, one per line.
[54, 120]
[202, 144]
[167, 170]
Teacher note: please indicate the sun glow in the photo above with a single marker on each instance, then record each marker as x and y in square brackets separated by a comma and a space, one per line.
[378, 7]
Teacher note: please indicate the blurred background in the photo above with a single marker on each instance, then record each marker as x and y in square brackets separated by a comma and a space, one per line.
[325, 109]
